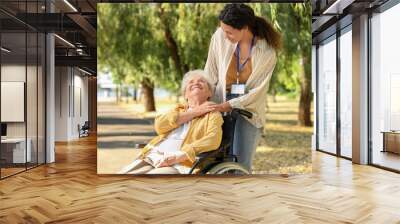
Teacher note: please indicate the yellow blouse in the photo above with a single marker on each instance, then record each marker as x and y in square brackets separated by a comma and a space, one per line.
[204, 134]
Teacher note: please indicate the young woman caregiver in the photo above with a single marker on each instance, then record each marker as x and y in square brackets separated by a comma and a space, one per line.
[240, 63]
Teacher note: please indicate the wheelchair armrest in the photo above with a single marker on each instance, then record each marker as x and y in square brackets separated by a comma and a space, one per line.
[204, 155]
[207, 154]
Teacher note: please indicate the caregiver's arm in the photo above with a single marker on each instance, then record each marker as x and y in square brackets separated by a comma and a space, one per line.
[211, 68]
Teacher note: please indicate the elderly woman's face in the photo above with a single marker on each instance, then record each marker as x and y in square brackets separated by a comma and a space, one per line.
[197, 86]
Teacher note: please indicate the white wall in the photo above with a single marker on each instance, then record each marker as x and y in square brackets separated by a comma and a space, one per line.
[71, 94]
[62, 81]
[80, 110]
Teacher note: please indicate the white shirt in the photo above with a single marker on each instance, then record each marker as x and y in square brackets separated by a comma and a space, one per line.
[171, 145]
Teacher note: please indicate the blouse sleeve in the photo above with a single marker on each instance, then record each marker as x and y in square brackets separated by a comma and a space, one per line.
[165, 123]
[211, 67]
[211, 139]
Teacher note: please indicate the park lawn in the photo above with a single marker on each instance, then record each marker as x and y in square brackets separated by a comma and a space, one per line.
[285, 147]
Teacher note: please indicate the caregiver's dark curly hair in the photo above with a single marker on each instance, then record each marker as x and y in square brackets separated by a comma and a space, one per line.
[238, 16]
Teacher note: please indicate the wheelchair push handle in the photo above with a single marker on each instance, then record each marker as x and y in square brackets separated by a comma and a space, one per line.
[245, 113]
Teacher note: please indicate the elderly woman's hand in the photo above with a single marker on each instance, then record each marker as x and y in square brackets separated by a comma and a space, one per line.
[171, 159]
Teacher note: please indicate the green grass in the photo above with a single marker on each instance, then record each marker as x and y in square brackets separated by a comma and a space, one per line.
[285, 147]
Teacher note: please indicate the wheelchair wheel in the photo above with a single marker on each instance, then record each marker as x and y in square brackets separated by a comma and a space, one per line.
[228, 168]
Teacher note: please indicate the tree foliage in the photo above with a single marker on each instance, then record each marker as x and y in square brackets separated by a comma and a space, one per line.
[294, 22]
[133, 44]
[157, 43]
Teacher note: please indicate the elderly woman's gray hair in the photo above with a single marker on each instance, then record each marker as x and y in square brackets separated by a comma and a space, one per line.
[188, 76]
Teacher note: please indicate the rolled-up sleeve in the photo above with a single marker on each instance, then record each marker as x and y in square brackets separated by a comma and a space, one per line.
[210, 141]
[211, 68]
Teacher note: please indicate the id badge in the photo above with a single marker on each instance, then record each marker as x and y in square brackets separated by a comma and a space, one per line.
[238, 88]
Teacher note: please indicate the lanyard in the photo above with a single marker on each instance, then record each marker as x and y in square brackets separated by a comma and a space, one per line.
[239, 67]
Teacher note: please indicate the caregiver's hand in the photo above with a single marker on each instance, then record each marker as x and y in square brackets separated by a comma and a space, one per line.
[223, 107]
[198, 111]
[170, 159]
[204, 108]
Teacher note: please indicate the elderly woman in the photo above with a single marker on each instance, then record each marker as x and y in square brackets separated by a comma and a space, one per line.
[184, 132]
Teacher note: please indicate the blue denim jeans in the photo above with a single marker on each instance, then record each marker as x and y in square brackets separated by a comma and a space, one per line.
[246, 140]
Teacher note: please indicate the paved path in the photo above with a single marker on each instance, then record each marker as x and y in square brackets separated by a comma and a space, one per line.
[118, 131]
[119, 128]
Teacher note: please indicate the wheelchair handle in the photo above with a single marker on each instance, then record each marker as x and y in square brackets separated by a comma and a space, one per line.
[245, 113]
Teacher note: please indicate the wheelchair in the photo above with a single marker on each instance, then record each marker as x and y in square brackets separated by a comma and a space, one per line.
[223, 160]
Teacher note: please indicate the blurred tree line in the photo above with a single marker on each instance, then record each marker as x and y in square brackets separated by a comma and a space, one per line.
[155, 44]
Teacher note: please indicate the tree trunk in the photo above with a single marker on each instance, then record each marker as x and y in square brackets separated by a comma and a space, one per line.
[172, 46]
[148, 95]
[304, 116]
[134, 95]
[126, 93]
[118, 90]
